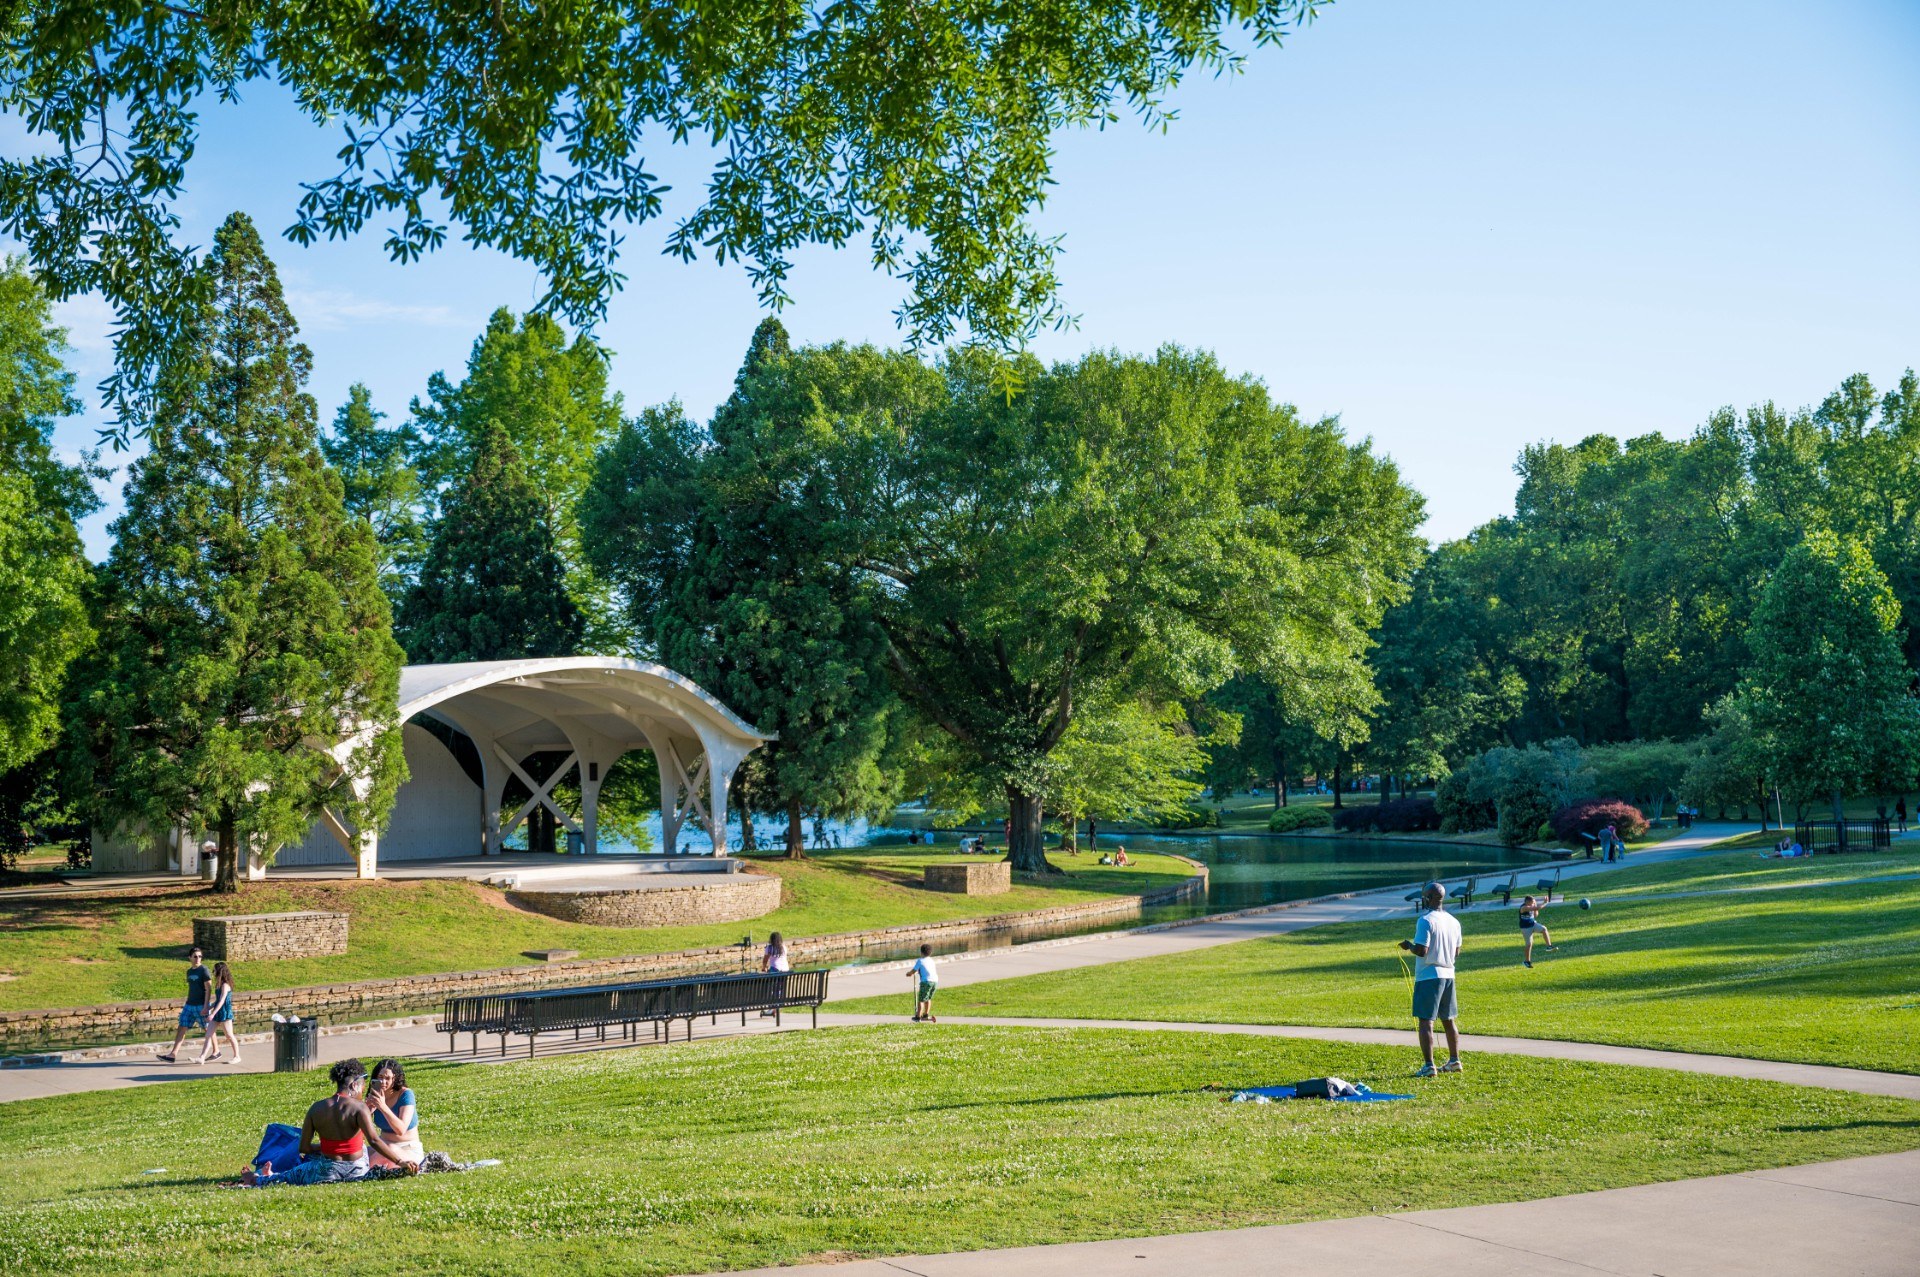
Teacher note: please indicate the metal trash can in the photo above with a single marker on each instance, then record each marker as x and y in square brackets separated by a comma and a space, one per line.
[296, 1045]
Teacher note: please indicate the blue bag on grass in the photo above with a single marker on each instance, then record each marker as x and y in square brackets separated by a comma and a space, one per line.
[280, 1145]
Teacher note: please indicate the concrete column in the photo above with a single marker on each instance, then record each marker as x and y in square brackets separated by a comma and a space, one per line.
[670, 813]
[492, 794]
[592, 773]
[367, 864]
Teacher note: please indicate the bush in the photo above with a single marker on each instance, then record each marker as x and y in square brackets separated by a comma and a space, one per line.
[1590, 817]
[1185, 818]
[1401, 816]
[1462, 807]
[1289, 819]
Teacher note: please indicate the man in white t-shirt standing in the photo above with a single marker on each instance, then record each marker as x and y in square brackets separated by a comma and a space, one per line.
[1435, 945]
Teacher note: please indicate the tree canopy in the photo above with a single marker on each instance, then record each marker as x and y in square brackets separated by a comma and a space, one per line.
[43, 572]
[1828, 691]
[1125, 527]
[243, 632]
[492, 586]
[380, 484]
[923, 125]
[733, 583]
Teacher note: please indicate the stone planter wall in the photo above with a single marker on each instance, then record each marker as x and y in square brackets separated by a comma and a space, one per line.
[128, 1021]
[978, 878]
[251, 937]
[728, 898]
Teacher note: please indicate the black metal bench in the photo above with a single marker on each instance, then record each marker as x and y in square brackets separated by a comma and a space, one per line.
[626, 1007]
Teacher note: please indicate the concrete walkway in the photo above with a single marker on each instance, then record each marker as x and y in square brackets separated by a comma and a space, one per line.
[1859, 1217]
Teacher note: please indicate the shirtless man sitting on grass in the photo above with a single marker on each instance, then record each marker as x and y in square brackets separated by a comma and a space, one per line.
[335, 1137]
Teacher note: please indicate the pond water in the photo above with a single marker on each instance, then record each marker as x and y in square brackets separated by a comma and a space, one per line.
[1260, 869]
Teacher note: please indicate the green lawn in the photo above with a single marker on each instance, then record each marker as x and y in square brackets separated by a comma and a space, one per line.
[1825, 975]
[56, 953]
[846, 1142]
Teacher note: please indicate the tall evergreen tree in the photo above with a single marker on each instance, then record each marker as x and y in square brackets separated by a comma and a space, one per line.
[492, 586]
[549, 394]
[242, 621]
[375, 465]
[736, 590]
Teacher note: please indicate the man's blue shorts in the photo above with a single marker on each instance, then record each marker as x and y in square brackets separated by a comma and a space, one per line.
[1433, 999]
[193, 1017]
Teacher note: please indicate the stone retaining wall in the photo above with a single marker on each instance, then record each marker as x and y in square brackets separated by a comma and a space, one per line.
[976, 878]
[20, 1030]
[728, 898]
[253, 936]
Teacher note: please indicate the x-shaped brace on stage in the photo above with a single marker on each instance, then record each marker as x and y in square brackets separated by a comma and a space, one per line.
[542, 793]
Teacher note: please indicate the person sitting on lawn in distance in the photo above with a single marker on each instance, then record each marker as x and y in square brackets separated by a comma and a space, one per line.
[928, 983]
[1120, 856]
[1530, 924]
[335, 1137]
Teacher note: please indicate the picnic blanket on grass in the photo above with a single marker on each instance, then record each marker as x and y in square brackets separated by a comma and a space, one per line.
[1269, 1094]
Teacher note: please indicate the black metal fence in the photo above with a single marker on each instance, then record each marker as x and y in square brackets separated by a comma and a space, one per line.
[1874, 834]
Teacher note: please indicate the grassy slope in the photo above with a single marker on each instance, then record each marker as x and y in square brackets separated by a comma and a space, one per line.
[1822, 974]
[870, 1141]
[112, 949]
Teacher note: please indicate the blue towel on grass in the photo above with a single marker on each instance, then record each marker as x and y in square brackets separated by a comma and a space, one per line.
[1268, 1094]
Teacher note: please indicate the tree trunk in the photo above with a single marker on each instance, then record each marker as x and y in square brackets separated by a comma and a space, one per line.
[1279, 779]
[228, 879]
[1026, 849]
[1386, 788]
[796, 835]
[747, 844]
[1337, 760]
[1070, 833]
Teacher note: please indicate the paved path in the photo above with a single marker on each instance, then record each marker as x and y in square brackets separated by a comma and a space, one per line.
[1859, 1217]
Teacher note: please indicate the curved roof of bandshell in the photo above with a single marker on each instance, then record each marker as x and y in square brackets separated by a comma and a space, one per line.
[550, 702]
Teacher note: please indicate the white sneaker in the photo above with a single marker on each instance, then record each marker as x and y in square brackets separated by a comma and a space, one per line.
[1425, 1070]
[1452, 1066]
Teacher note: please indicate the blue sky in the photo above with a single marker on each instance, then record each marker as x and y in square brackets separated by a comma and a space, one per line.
[1460, 227]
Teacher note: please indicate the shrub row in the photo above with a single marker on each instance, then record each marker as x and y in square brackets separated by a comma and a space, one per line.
[1400, 816]
[1289, 820]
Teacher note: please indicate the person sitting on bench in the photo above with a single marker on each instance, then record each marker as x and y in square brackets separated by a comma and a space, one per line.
[335, 1137]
